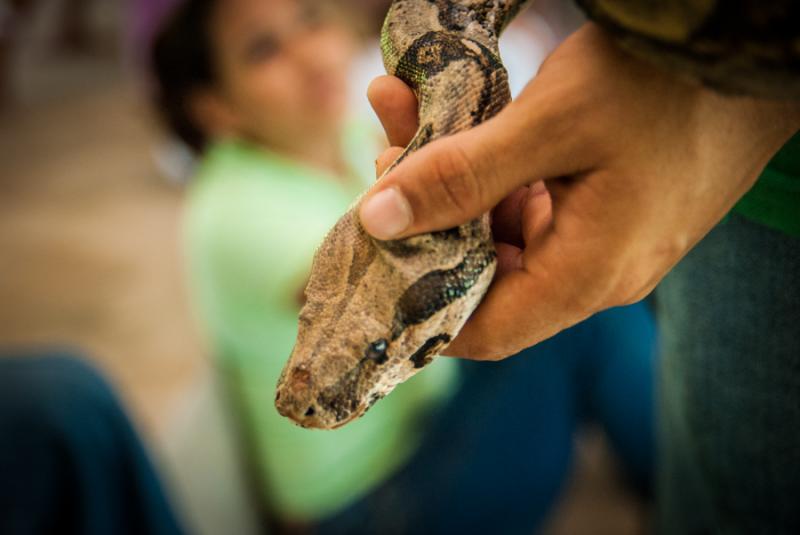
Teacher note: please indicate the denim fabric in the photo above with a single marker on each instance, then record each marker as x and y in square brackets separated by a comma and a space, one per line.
[495, 459]
[70, 462]
[729, 396]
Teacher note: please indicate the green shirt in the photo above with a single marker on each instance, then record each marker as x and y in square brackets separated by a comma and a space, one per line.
[774, 200]
[253, 221]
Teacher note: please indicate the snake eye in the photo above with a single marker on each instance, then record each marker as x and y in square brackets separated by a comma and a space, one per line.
[377, 351]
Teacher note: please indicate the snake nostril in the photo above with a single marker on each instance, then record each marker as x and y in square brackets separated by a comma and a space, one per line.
[311, 411]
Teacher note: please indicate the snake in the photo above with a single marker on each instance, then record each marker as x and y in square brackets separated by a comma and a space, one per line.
[378, 312]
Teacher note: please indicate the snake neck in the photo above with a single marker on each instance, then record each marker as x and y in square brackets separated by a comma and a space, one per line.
[481, 21]
[447, 52]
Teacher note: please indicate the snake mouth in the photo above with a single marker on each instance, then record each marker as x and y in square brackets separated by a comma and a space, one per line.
[313, 417]
[301, 399]
[310, 413]
[303, 413]
[355, 415]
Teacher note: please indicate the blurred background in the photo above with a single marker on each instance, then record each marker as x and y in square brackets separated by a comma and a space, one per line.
[89, 227]
[90, 252]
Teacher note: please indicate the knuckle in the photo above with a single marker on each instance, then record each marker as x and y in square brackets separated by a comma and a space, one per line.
[589, 300]
[584, 287]
[596, 289]
[642, 270]
[629, 284]
[627, 294]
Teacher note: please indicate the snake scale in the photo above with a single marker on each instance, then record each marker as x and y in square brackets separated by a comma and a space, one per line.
[377, 312]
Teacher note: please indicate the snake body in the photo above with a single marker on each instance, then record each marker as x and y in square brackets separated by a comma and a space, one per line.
[377, 312]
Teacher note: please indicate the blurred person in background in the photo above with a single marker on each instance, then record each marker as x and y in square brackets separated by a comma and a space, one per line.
[70, 459]
[259, 89]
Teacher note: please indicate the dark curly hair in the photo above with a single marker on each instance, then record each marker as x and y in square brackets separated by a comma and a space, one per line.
[182, 62]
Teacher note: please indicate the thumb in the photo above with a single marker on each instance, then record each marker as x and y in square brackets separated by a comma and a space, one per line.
[449, 182]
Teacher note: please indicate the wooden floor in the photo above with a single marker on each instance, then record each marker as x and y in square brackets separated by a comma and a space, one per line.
[89, 249]
[90, 256]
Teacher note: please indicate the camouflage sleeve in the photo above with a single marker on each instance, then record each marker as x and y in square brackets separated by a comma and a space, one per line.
[744, 46]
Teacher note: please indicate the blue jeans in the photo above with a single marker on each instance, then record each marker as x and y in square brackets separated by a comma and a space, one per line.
[495, 459]
[70, 462]
[730, 385]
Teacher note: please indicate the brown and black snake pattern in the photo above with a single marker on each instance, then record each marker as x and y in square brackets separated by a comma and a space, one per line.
[377, 312]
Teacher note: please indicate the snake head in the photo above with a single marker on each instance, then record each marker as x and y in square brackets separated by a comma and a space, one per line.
[309, 400]
[376, 313]
[335, 371]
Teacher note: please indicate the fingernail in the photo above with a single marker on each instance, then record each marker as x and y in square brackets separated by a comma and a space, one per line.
[386, 214]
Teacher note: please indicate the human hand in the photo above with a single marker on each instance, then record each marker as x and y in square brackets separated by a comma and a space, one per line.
[638, 165]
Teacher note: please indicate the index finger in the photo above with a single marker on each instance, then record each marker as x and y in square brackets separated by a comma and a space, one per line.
[396, 106]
